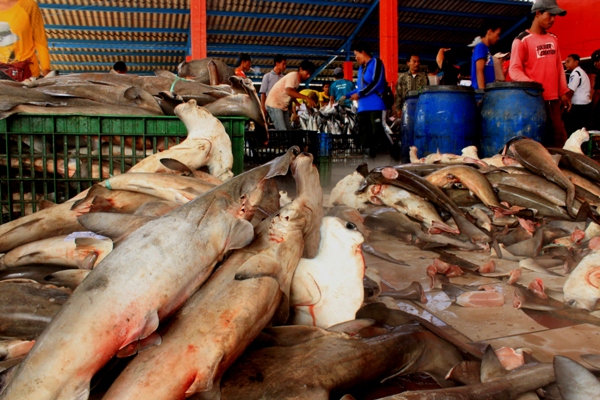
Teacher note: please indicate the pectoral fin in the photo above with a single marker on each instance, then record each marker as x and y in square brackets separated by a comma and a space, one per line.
[147, 327]
[113, 225]
[133, 348]
[205, 383]
[242, 233]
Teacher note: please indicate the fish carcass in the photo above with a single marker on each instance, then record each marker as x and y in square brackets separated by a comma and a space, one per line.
[309, 362]
[216, 325]
[328, 289]
[148, 277]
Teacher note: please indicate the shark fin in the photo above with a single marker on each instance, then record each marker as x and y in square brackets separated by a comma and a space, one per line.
[133, 348]
[113, 225]
[491, 368]
[280, 165]
[147, 327]
[574, 381]
[242, 233]
[176, 165]
[204, 386]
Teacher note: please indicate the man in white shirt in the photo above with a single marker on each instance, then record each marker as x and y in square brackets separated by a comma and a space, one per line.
[580, 92]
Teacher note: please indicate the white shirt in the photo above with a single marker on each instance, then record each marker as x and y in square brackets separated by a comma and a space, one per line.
[579, 83]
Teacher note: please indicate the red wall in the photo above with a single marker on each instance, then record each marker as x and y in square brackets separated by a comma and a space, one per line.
[579, 31]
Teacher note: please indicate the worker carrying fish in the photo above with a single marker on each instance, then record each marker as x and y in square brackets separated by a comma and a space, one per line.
[23, 44]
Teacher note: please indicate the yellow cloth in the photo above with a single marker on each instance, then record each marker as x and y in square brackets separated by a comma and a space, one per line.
[307, 92]
[323, 97]
[25, 21]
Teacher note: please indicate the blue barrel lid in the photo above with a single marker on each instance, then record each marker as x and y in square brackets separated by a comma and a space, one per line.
[447, 88]
[514, 85]
[412, 93]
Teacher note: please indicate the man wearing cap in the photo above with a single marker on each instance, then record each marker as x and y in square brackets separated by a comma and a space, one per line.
[596, 97]
[535, 56]
[340, 88]
[580, 93]
[409, 80]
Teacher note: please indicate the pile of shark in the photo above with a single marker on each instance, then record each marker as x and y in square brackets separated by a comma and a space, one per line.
[210, 82]
[169, 283]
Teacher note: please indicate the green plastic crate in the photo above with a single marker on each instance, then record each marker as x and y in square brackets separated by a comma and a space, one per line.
[61, 142]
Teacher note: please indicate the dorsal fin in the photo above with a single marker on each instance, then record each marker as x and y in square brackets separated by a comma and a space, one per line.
[491, 368]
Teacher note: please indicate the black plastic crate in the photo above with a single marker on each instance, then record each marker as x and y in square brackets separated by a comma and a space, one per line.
[257, 153]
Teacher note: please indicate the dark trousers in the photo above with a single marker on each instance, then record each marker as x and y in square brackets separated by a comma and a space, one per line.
[556, 135]
[579, 117]
[370, 131]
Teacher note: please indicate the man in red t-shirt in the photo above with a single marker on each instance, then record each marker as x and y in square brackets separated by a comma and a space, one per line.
[535, 57]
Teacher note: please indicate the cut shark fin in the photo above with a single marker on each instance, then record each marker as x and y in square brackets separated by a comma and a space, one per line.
[491, 368]
[574, 381]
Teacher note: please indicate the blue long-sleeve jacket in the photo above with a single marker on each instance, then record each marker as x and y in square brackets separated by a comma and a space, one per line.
[370, 85]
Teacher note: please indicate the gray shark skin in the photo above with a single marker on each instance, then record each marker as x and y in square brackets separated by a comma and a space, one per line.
[147, 278]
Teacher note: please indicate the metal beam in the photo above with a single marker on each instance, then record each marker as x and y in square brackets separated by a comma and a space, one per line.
[453, 13]
[110, 64]
[186, 31]
[526, 3]
[514, 27]
[136, 10]
[84, 52]
[234, 14]
[277, 34]
[214, 13]
[115, 29]
[346, 46]
[438, 27]
[244, 48]
[323, 3]
[116, 45]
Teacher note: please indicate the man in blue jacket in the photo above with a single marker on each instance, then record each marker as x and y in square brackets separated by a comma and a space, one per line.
[370, 86]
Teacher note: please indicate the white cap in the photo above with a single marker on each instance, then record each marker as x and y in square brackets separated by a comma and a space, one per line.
[475, 42]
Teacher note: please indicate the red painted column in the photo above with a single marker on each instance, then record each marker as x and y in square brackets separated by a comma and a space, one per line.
[388, 39]
[349, 70]
[197, 30]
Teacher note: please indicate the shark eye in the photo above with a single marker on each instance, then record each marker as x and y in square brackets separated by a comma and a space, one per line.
[351, 226]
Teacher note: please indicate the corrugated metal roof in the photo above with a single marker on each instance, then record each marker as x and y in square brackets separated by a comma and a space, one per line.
[153, 34]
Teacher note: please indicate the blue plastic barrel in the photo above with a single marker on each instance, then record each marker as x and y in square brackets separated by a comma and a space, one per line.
[407, 124]
[446, 119]
[479, 95]
[511, 109]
